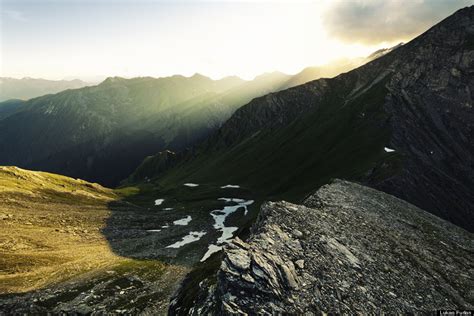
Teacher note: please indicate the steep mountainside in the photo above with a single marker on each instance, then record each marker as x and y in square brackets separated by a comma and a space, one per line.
[82, 132]
[403, 123]
[348, 250]
[28, 88]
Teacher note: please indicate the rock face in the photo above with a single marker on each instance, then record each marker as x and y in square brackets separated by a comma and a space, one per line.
[348, 249]
[431, 118]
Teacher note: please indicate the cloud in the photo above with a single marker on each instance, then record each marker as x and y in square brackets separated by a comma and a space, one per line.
[376, 21]
[14, 15]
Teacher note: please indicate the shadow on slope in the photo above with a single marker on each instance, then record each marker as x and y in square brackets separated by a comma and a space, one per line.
[138, 228]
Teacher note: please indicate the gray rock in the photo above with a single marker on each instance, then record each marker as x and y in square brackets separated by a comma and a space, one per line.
[239, 259]
[297, 233]
[300, 263]
[369, 253]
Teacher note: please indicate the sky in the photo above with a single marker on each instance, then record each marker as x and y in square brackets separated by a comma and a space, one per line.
[91, 40]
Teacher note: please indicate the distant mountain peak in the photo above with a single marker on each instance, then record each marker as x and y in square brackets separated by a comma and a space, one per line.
[114, 79]
[274, 74]
[198, 75]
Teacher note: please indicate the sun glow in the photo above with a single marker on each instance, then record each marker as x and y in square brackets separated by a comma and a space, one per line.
[160, 39]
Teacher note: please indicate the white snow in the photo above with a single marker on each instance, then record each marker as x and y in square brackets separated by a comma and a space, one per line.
[219, 220]
[192, 185]
[212, 249]
[388, 150]
[165, 226]
[230, 186]
[227, 234]
[184, 221]
[232, 200]
[241, 203]
[168, 209]
[154, 230]
[159, 201]
[189, 238]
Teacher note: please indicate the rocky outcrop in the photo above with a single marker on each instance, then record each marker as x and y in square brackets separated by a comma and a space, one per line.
[347, 249]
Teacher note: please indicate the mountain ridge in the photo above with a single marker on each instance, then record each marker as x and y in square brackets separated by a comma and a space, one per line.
[286, 143]
[27, 88]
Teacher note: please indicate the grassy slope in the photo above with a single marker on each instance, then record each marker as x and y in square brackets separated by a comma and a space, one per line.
[333, 140]
[49, 228]
[50, 232]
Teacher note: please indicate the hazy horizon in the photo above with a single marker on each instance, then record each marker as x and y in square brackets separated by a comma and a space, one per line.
[65, 40]
[100, 78]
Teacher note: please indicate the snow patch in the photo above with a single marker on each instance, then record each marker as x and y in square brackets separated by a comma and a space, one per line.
[159, 201]
[388, 150]
[230, 186]
[219, 219]
[192, 185]
[233, 200]
[212, 249]
[189, 238]
[184, 221]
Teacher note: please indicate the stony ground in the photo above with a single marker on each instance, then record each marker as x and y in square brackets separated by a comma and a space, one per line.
[348, 249]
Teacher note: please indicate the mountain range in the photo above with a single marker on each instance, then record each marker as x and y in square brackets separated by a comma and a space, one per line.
[81, 132]
[27, 88]
[402, 123]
